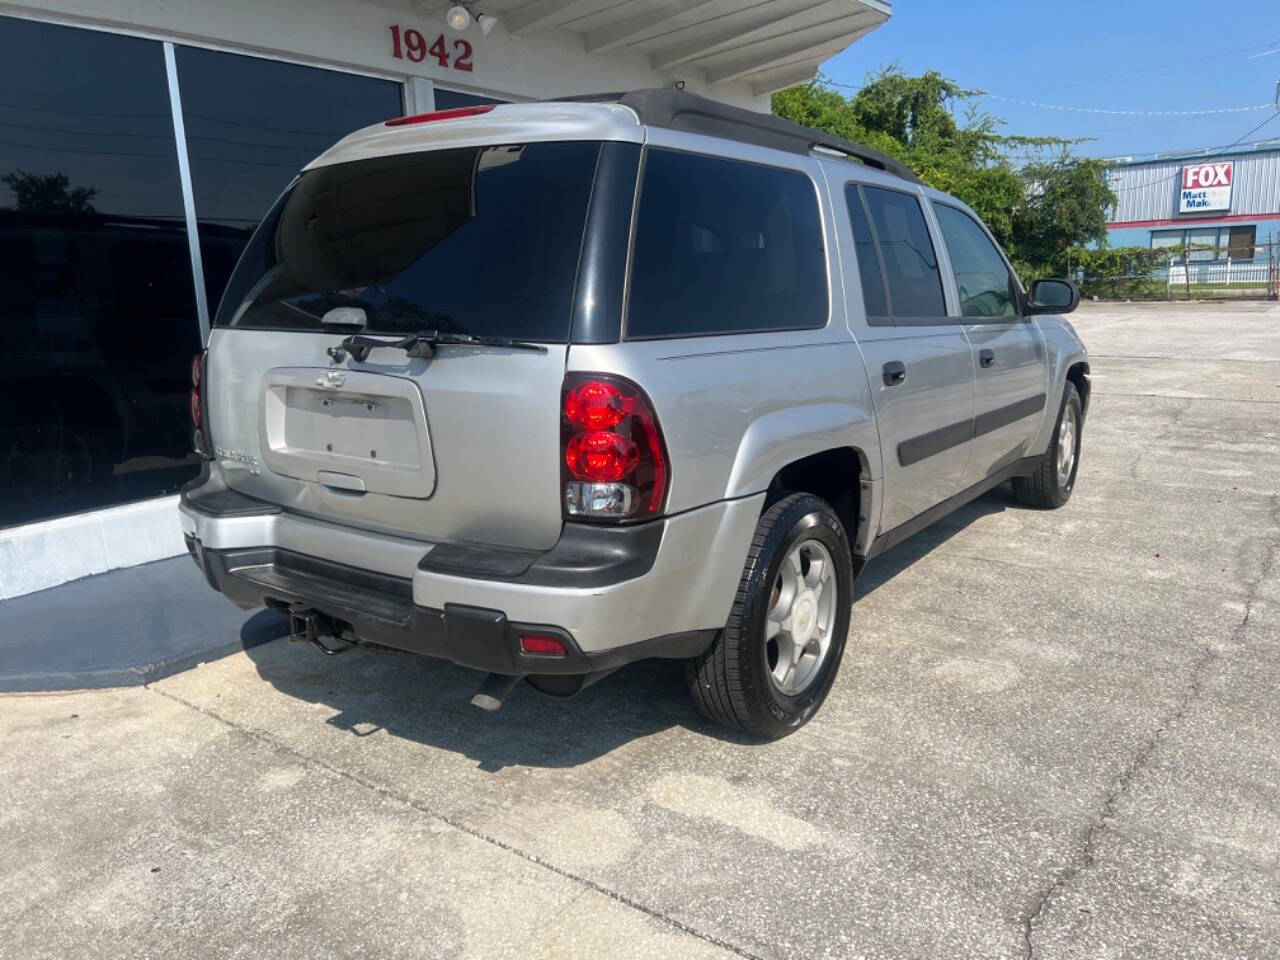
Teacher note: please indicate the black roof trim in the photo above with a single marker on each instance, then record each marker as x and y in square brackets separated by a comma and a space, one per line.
[679, 110]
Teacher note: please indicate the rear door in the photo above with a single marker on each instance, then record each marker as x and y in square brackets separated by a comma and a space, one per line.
[1010, 367]
[463, 445]
[917, 357]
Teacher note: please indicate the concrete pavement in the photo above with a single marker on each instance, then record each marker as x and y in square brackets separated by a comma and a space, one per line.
[1054, 735]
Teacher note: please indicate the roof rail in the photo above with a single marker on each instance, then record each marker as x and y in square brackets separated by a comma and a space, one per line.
[679, 110]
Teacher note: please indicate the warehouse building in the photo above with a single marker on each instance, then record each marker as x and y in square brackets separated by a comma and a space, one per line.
[1217, 207]
[140, 143]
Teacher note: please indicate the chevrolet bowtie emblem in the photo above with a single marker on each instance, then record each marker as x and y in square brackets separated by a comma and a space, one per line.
[331, 380]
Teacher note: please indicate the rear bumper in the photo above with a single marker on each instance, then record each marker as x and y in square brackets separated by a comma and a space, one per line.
[613, 595]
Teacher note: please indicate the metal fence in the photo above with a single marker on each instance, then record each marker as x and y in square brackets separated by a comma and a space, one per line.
[1183, 277]
[1258, 271]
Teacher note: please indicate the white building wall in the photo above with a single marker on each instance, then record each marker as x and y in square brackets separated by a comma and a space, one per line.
[349, 35]
[1149, 190]
[355, 35]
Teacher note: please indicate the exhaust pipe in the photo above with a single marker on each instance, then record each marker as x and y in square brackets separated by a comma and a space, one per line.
[494, 691]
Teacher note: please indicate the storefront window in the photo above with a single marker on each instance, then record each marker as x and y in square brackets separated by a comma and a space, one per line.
[251, 125]
[448, 99]
[97, 313]
[1241, 242]
[1203, 244]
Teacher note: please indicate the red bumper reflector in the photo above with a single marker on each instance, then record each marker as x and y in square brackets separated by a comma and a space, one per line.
[542, 645]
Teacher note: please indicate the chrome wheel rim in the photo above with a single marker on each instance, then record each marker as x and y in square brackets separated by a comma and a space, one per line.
[1067, 430]
[801, 617]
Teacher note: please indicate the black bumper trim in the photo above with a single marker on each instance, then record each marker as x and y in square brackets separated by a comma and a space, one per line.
[586, 555]
[209, 495]
[377, 608]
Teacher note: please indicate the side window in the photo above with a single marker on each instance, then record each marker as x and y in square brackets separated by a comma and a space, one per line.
[985, 285]
[864, 243]
[910, 264]
[722, 247]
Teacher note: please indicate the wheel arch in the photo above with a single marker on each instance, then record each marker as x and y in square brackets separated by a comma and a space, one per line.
[839, 475]
[1067, 361]
[1078, 373]
[829, 449]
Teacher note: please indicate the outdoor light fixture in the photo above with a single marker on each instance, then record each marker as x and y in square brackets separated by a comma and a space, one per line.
[486, 24]
[458, 17]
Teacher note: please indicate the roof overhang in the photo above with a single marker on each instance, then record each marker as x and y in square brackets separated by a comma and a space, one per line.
[764, 44]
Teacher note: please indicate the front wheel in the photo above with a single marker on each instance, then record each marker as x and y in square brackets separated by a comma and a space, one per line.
[1050, 486]
[771, 667]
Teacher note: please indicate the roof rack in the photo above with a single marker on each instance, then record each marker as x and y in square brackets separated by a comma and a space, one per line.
[679, 110]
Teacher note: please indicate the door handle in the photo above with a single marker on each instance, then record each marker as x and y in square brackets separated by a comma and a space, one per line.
[894, 372]
[986, 358]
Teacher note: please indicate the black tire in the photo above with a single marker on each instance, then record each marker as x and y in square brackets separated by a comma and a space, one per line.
[731, 682]
[1043, 488]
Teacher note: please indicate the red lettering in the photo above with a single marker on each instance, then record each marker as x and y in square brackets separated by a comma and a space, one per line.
[440, 51]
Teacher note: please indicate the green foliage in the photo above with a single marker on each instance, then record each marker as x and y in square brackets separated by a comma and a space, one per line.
[1064, 206]
[1118, 273]
[1037, 210]
[48, 193]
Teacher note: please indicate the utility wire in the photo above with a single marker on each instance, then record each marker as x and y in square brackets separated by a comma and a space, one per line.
[1209, 152]
[1130, 113]
[1270, 48]
[981, 95]
[1254, 130]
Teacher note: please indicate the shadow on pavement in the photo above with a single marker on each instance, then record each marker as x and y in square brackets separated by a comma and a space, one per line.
[427, 701]
[891, 563]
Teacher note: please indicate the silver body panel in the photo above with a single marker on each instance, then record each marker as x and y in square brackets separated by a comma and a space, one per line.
[938, 392]
[694, 593]
[734, 410]
[505, 123]
[466, 397]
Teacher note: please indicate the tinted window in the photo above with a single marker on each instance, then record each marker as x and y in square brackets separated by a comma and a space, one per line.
[97, 311]
[476, 240]
[251, 125]
[910, 264]
[865, 250]
[986, 288]
[725, 247]
[448, 99]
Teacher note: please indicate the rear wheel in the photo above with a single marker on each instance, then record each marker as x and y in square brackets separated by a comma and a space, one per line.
[771, 667]
[1050, 486]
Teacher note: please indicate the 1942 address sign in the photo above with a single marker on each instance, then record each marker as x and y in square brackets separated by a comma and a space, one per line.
[411, 45]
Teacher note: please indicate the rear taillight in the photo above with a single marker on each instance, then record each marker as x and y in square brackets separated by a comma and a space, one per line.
[453, 113]
[612, 458]
[200, 440]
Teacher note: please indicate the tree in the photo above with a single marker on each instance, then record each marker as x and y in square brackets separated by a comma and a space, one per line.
[1037, 212]
[48, 193]
[1064, 206]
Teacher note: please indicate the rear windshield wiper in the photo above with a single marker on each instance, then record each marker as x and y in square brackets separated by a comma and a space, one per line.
[423, 344]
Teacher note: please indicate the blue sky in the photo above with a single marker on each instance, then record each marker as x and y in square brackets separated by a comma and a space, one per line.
[1120, 55]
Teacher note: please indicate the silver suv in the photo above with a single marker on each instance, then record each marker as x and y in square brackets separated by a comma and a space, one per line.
[546, 388]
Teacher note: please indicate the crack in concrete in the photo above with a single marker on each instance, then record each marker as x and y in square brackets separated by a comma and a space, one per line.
[1176, 396]
[1199, 668]
[457, 824]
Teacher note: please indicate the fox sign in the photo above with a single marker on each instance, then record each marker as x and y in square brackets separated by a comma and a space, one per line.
[1206, 187]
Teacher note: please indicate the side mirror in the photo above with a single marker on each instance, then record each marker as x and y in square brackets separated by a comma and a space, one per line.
[1052, 296]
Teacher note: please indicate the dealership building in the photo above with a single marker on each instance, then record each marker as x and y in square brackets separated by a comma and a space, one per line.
[1221, 206]
[141, 142]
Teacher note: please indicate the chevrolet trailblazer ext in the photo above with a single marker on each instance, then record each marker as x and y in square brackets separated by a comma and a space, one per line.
[546, 388]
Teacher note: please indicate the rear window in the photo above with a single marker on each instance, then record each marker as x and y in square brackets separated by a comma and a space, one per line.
[481, 240]
[724, 247]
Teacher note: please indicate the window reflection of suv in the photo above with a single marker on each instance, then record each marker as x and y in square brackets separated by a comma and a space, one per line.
[543, 389]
